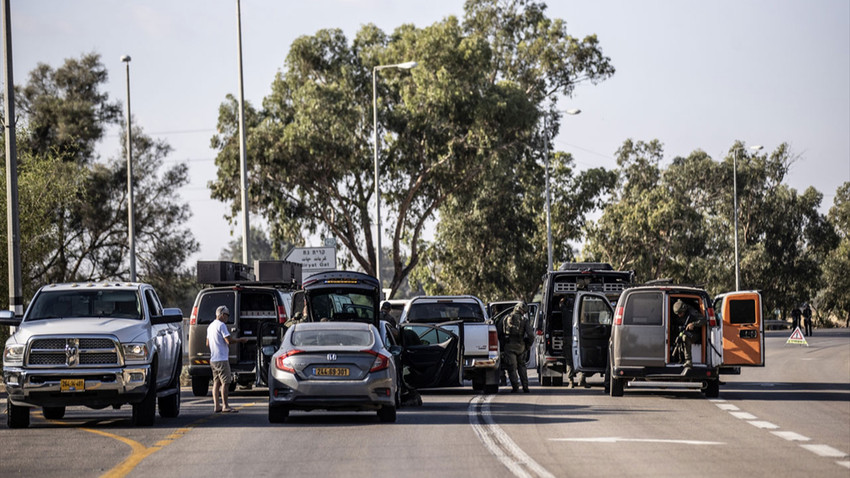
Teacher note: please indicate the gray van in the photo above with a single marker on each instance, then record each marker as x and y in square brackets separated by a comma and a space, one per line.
[643, 336]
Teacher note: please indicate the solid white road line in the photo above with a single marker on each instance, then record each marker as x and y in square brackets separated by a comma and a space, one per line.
[641, 440]
[499, 443]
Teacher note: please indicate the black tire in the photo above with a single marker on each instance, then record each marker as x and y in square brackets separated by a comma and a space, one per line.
[53, 413]
[200, 386]
[278, 414]
[17, 416]
[712, 389]
[169, 405]
[558, 381]
[606, 382]
[491, 389]
[545, 381]
[144, 412]
[387, 414]
[617, 387]
[477, 385]
[232, 386]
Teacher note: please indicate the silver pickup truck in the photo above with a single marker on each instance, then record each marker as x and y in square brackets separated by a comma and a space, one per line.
[95, 345]
[466, 317]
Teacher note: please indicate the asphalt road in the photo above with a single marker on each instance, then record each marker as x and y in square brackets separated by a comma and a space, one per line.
[790, 418]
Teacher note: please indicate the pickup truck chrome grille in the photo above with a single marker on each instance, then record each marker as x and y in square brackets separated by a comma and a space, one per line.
[73, 352]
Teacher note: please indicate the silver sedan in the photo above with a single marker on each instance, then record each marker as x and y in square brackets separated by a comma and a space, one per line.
[332, 366]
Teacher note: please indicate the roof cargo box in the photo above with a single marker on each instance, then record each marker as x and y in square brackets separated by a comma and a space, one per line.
[279, 272]
[216, 272]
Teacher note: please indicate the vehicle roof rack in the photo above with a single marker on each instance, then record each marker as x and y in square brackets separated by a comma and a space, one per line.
[281, 274]
[586, 266]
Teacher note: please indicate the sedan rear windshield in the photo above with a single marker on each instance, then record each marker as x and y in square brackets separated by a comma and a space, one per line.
[332, 337]
[445, 312]
[68, 304]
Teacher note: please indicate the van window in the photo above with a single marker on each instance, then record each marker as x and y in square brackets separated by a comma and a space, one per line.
[742, 311]
[445, 312]
[595, 311]
[644, 308]
[211, 301]
[256, 304]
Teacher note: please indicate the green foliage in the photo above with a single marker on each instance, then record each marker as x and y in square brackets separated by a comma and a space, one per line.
[469, 108]
[677, 223]
[73, 206]
[834, 298]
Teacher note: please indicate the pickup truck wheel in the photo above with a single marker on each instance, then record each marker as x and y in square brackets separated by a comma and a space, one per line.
[200, 386]
[144, 412]
[278, 414]
[558, 381]
[491, 389]
[387, 414]
[17, 416]
[477, 384]
[53, 413]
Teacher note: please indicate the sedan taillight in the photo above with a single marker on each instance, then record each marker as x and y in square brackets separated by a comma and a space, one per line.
[381, 362]
[282, 363]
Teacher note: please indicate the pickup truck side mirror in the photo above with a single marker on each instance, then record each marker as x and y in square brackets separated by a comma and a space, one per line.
[7, 317]
[169, 316]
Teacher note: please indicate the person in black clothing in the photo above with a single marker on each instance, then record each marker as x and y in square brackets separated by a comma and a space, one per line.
[807, 319]
[689, 322]
[795, 318]
[518, 338]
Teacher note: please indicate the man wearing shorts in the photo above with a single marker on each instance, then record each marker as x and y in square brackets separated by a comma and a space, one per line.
[219, 340]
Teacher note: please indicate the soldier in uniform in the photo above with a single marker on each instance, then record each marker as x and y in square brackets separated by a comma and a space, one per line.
[518, 337]
[689, 323]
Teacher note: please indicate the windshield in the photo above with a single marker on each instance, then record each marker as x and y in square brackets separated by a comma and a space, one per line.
[69, 304]
[326, 337]
[445, 312]
[342, 305]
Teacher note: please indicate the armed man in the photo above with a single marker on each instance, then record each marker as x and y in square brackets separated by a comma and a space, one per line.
[689, 321]
[518, 338]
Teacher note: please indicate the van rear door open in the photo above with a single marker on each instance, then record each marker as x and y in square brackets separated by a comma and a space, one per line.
[743, 328]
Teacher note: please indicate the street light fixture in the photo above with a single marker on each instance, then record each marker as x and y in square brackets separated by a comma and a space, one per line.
[573, 111]
[131, 230]
[735, 209]
[404, 66]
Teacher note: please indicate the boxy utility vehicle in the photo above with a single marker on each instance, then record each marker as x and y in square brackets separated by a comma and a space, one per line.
[258, 310]
[580, 340]
[645, 330]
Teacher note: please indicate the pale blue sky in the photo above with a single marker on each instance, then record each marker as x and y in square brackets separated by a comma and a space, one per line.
[693, 74]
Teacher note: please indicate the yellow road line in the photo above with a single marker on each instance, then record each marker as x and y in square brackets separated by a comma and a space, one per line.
[140, 452]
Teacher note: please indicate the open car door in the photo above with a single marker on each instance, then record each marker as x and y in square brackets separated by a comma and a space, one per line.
[743, 328]
[592, 319]
[431, 355]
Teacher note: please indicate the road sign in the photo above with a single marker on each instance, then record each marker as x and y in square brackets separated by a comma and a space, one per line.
[797, 338]
[313, 259]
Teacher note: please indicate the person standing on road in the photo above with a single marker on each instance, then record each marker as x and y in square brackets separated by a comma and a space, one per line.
[807, 319]
[795, 318]
[518, 338]
[219, 340]
[689, 321]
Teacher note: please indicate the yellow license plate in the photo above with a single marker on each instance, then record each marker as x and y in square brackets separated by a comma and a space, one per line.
[72, 385]
[331, 371]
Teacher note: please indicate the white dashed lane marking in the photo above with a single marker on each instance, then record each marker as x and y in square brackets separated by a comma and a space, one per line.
[820, 450]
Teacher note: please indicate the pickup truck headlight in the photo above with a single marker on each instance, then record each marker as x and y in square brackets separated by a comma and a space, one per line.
[135, 352]
[13, 355]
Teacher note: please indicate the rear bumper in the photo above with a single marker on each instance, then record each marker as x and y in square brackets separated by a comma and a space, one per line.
[102, 387]
[672, 373]
[370, 393]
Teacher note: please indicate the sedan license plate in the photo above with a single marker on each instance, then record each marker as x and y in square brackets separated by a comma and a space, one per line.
[331, 371]
[72, 385]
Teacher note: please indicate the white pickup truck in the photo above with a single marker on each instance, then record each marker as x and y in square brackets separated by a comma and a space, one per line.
[466, 317]
[95, 345]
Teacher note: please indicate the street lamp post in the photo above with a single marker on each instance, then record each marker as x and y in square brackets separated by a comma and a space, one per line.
[548, 200]
[404, 66]
[735, 210]
[131, 219]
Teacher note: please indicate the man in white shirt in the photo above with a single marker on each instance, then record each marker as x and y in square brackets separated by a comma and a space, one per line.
[219, 340]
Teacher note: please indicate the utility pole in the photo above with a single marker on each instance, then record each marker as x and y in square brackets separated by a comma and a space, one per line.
[16, 295]
[243, 160]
